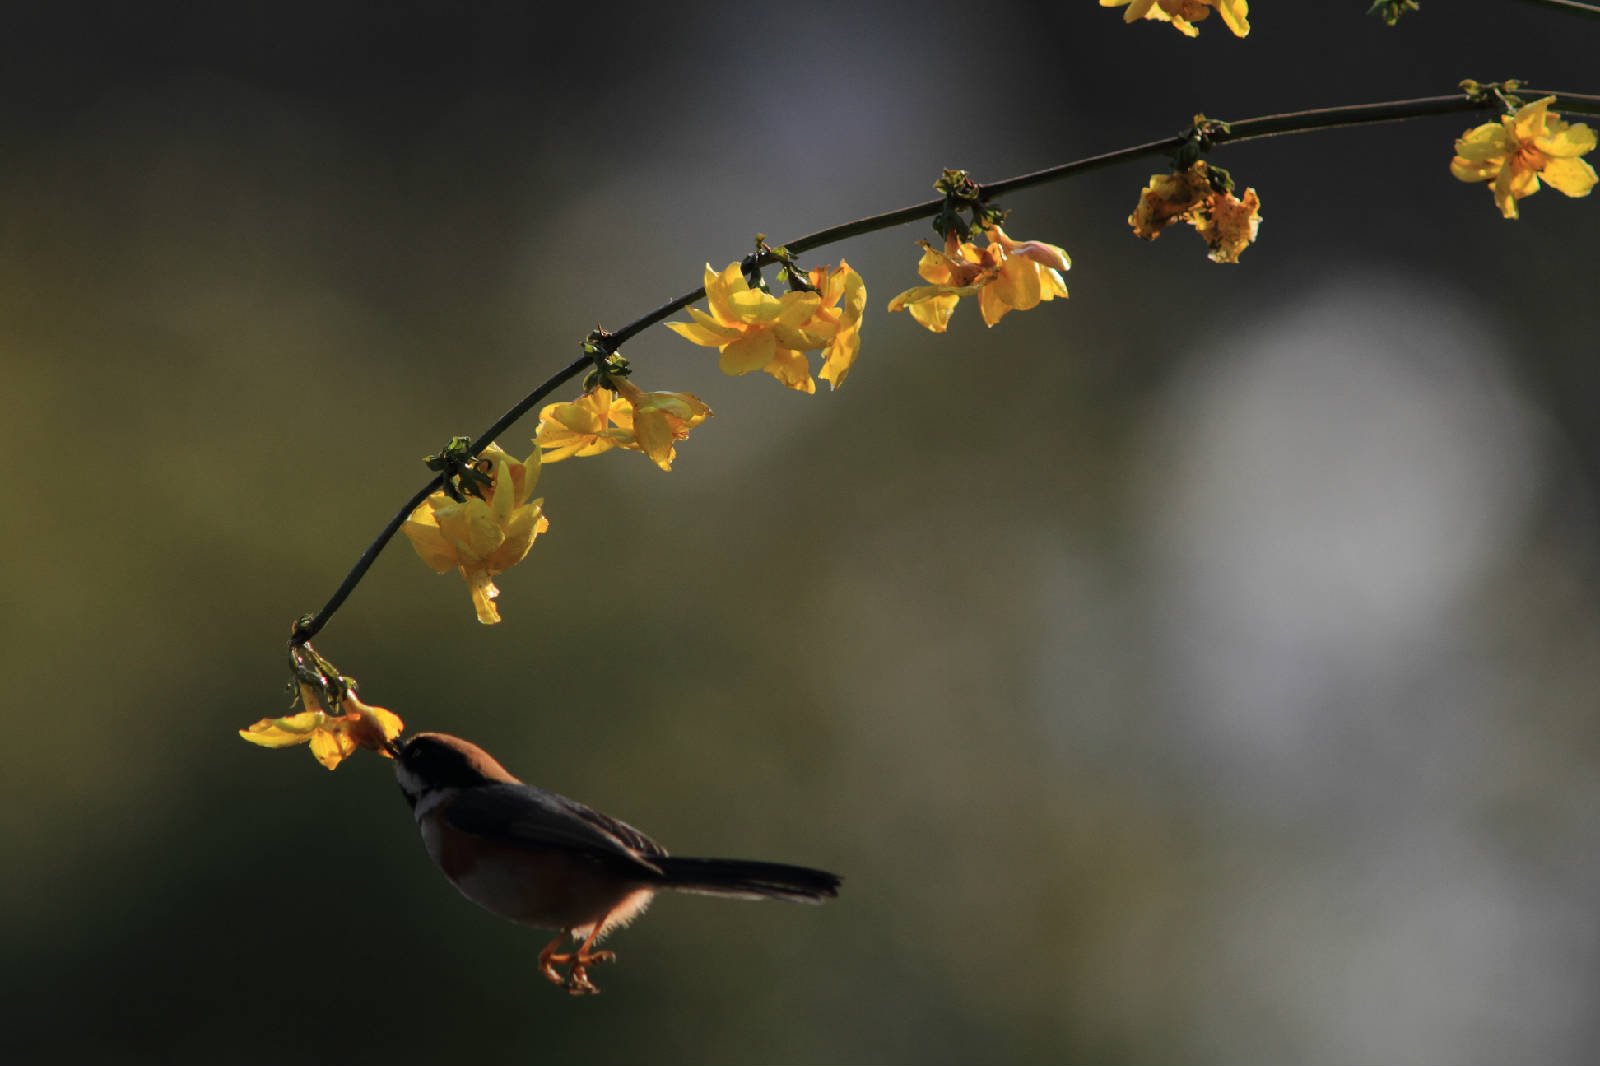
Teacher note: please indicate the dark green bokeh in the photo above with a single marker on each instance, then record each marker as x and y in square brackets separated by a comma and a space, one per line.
[1202, 668]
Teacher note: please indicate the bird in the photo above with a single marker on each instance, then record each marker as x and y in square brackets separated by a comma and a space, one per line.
[542, 860]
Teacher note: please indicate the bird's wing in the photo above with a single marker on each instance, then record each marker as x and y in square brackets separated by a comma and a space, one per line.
[533, 818]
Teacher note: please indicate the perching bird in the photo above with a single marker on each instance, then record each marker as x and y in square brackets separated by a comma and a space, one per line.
[543, 860]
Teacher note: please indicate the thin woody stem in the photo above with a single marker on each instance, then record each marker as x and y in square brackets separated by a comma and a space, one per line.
[1243, 130]
[1571, 6]
[1582, 103]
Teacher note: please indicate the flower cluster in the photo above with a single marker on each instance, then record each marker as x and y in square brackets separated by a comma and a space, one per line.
[754, 330]
[1227, 223]
[1518, 151]
[1006, 275]
[620, 415]
[1183, 14]
[333, 736]
[482, 535]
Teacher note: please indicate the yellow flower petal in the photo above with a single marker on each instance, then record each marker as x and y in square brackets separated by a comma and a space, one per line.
[1574, 177]
[483, 592]
[1568, 141]
[704, 330]
[473, 526]
[1044, 255]
[521, 529]
[719, 287]
[992, 304]
[792, 368]
[373, 728]
[1235, 15]
[839, 358]
[422, 530]
[1503, 198]
[930, 305]
[1483, 143]
[330, 748]
[1016, 287]
[1466, 169]
[1233, 224]
[750, 352]
[283, 732]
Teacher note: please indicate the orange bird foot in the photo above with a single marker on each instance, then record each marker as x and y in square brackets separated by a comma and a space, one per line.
[576, 979]
[578, 982]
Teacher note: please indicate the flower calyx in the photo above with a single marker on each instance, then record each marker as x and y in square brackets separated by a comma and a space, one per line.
[790, 273]
[600, 346]
[963, 196]
[462, 475]
[312, 672]
[1390, 11]
[1501, 94]
[1203, 133]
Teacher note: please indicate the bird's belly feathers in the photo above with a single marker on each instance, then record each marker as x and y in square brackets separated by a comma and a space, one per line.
[548, 889]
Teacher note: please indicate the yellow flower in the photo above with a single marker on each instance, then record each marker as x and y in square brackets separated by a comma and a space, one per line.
[755, 330]
[482, 537]
[1169, 198]
[658, 420]
[1183, 14]
[648, 422]
[1519, 150]
[583, 427]
[333, 738]
[1006, 275]
[1030, 273]
[957, 271]
[1227, 223]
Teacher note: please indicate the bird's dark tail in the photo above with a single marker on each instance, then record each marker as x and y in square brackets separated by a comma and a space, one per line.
[748, 880]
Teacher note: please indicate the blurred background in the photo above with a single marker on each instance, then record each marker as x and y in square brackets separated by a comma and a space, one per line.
[1199, 669]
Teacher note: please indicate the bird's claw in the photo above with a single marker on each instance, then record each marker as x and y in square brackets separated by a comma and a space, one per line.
[576, 979]
[547, 966]
[577, 982]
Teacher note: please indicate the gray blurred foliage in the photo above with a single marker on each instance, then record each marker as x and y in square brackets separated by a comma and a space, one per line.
[1199, 669]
